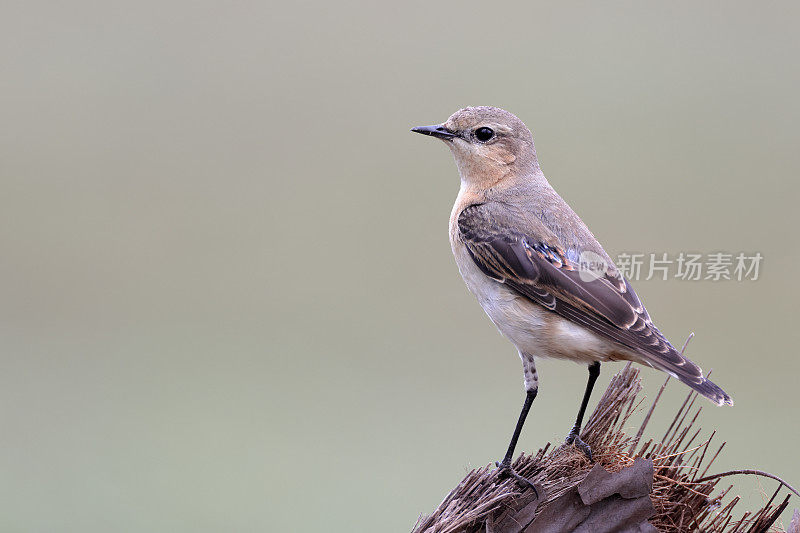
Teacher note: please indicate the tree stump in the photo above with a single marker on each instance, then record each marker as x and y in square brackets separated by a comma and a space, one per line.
[631, 486]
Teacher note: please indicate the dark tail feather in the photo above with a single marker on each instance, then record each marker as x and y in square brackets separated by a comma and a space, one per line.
[689, 373]
[711, 391]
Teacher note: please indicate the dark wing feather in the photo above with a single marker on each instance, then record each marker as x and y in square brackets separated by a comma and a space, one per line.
[604, 303]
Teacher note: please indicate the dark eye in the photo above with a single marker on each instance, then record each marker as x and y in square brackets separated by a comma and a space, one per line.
[484, 134]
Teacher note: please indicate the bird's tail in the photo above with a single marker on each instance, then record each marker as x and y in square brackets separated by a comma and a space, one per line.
[689, 373]
[711, 390]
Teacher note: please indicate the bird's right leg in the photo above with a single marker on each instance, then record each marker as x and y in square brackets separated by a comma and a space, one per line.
[531, 389]
[574, 436]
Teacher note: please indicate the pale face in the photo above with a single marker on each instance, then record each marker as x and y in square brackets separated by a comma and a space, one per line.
[480, 146]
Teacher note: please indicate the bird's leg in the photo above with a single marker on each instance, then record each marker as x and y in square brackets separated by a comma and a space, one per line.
[574, 435]
[532, 387]
[504, 466]
[529, 397]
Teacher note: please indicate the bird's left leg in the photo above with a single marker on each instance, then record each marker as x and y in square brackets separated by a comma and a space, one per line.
[574, 436]
[531, 389]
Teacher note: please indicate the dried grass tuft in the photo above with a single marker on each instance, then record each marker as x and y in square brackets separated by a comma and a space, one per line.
[685, 498]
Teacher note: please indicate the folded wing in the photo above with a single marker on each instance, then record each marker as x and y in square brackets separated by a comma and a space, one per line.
[535, 265]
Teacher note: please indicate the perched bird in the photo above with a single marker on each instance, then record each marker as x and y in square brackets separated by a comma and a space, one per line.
[537, 270]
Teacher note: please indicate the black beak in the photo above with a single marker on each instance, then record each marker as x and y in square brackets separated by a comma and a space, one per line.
[438, 131]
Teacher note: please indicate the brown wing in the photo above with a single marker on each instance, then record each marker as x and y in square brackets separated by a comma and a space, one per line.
[603, 301]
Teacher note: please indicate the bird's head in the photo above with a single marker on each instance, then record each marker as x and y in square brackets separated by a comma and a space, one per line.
[488, 144]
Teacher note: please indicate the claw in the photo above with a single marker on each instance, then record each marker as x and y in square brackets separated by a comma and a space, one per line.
[504, 470]
[574, 439]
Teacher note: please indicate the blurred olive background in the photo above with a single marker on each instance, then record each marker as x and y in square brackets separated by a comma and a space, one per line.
[228, 297]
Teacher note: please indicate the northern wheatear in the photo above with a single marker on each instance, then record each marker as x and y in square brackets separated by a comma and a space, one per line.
[519, 248]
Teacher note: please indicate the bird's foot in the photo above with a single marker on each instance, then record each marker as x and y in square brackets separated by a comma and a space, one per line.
[504, 471]
[574, 438]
